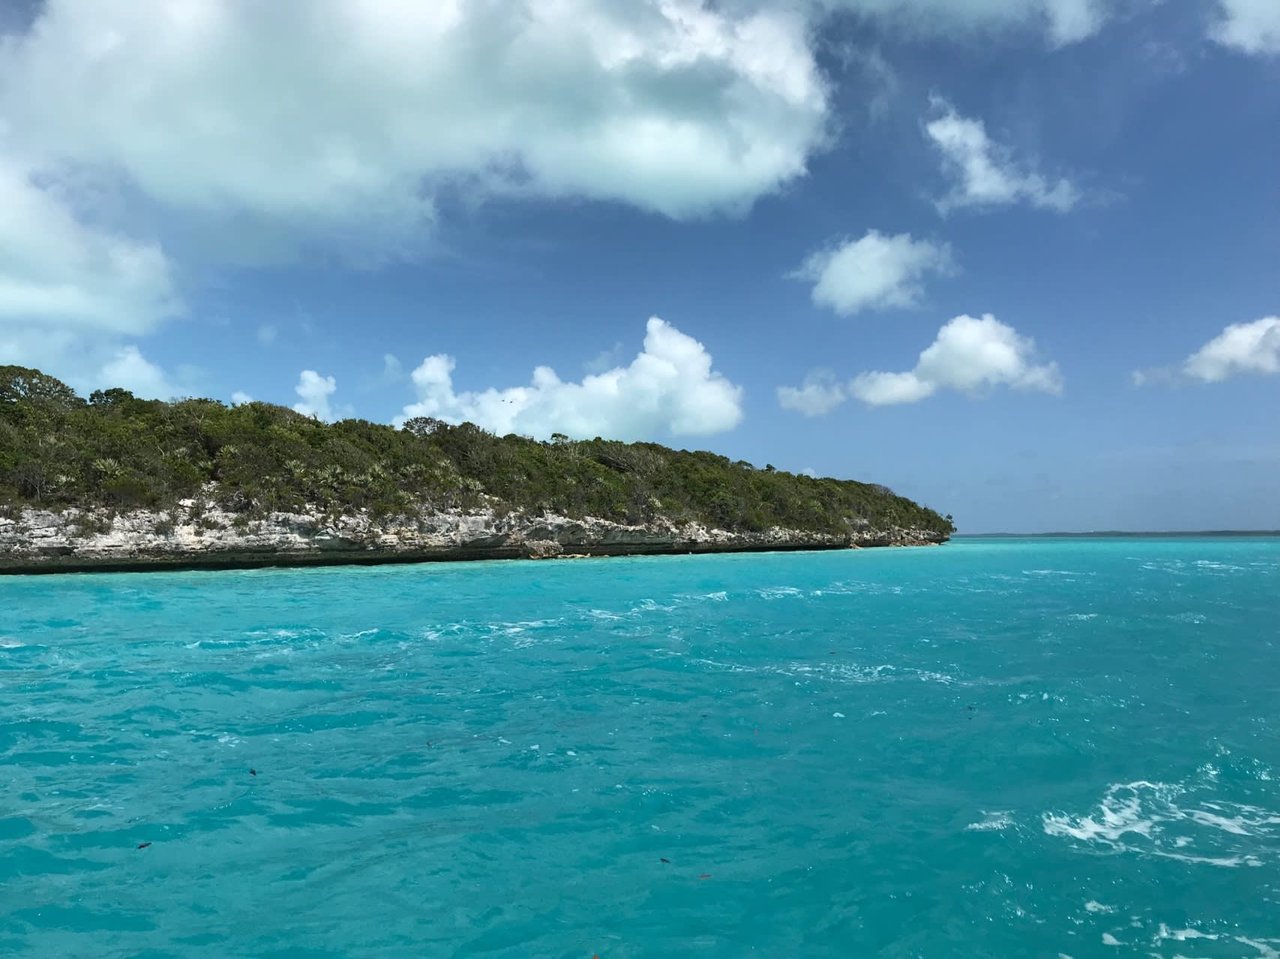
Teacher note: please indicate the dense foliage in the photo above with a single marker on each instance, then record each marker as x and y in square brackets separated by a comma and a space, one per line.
[115, 450]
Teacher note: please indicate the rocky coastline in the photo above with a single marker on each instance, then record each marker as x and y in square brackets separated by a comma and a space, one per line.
[194, 535]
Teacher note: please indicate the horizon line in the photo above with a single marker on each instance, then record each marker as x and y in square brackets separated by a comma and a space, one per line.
[1100, 533]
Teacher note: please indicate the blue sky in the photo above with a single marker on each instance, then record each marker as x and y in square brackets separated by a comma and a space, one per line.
[1018, 259]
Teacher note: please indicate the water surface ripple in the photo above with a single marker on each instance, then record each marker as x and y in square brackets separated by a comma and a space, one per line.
[1028, 748]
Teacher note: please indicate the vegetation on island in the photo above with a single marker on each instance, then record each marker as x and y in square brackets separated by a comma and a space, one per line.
[117, 451]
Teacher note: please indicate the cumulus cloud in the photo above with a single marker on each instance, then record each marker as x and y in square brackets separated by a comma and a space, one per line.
[986, 173]
[819, 394]
[130, 370]
[240, 398]
[1239, 349]
[874, 272]
[670, 387]
[91, 362]
[57, 271]
[315, 391]
[1251, 26]
[346, 116]
[333, 126]
[969, 355]
[1062, 21]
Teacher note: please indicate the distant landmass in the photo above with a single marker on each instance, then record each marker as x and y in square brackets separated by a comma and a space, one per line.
[118, 482]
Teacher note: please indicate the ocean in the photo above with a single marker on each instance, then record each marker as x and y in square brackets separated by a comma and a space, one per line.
[1005, 748]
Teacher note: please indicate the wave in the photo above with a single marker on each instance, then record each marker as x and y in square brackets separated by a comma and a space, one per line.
[1149, 818]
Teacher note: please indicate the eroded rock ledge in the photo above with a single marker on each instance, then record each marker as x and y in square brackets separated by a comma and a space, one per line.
[192, 536]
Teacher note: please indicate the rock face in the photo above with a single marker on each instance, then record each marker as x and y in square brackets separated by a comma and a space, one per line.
[195, 536]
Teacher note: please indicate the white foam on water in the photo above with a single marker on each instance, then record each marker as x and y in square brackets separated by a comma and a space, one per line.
[1168, 566]
[1211, 564]
[847, 587]
[652, 606]
[1094, 906]
[1110, 940]
[837, 715]
[1146, 818]
[727, 667]
[929, 676]
[719, 596]
[991, 822]
[1266, 947]
[779, 592]
[1182, 935]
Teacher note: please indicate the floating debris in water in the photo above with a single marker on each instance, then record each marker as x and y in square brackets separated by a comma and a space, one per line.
[143, 845]
[253, 772]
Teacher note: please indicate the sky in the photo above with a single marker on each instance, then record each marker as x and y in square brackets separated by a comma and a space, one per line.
[1016, 259]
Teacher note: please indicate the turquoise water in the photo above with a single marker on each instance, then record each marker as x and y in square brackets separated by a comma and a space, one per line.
[1026, 748]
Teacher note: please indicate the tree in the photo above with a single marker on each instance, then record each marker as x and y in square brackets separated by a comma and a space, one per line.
[423, 425]
[111, 397]
[18, 383]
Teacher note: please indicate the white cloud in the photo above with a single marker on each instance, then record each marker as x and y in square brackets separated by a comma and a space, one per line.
[884, 389]
[670, 387]
[240, 398]
[345, 117]
[128, 369]
[986, 173]
[89, 362]
[605, 359]
[59, 272]
[819, 394]
[1240, 348]
[874, 272]
[1251, 26]
[1062, 21]
[392, 368]
[315, 391]
[969, 355]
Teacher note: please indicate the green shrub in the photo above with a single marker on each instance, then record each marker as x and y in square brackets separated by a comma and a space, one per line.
[121, 452]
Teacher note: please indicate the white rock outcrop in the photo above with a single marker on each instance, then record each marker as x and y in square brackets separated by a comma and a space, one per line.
[194, 535]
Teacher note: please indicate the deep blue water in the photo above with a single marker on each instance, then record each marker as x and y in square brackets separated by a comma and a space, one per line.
[994, 748]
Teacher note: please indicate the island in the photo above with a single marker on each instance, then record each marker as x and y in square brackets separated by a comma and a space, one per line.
[115, 482]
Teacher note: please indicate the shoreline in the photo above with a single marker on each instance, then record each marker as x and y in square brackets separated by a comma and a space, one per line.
[193, 562]
[39, 542]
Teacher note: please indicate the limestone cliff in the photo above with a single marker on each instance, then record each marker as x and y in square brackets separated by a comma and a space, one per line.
[194, 535]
